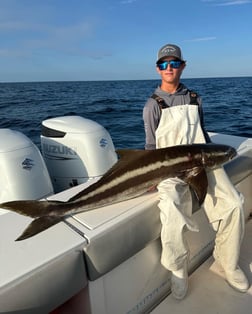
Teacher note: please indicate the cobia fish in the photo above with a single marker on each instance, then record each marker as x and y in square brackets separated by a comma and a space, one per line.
[136, 172]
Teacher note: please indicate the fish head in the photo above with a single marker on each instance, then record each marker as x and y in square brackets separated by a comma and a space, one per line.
[214, 155]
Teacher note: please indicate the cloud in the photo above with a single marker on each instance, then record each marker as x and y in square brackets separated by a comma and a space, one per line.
[227, 2]
[13, 26]
[10, 53]
[201, 39]
[25, 31]
[237, 2]
[32, 38]
[127, 1]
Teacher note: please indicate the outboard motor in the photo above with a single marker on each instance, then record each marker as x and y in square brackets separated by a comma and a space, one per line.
[23, 173]
[75, 150]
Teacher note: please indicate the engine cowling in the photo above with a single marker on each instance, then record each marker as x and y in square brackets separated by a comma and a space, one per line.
[75, 150]
[23, 173]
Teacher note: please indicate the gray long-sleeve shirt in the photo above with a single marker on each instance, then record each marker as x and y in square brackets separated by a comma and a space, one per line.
[152, 112]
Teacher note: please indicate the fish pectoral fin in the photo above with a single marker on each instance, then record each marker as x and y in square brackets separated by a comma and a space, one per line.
[197, 180]
[38, 225]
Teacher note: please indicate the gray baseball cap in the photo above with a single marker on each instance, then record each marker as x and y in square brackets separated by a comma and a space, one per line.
[170, 50]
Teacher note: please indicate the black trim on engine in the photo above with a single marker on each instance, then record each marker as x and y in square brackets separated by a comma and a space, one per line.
[47, 132]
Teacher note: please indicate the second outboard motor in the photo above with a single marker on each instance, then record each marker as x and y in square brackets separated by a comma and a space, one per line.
[75, 150]
[23, 173]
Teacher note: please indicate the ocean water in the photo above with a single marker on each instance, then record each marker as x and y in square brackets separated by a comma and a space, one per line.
[118, 105]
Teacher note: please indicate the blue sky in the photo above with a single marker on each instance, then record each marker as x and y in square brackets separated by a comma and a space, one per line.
[60, 40]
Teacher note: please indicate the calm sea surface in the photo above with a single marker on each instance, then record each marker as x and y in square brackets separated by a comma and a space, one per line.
[118, 105]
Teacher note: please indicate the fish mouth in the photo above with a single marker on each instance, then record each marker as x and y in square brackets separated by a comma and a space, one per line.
[231, 152]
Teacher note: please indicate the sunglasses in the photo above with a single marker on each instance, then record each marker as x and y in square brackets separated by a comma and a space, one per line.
[174, 64]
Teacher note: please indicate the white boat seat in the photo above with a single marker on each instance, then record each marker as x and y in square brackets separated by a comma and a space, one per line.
[114, 245]
[239, 168]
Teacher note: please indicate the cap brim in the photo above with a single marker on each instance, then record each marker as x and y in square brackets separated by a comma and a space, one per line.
[169, 57]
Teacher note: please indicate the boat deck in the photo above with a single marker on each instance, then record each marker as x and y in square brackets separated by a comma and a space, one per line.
[209, 293]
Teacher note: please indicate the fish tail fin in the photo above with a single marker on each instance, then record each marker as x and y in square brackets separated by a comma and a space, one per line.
[35, 208]
[38, 225]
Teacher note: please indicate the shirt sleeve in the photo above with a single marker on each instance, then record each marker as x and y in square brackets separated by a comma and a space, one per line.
[151, 117]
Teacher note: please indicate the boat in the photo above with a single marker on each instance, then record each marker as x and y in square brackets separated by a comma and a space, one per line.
[105, 261]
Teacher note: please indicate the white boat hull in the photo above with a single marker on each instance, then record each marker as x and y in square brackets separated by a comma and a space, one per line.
[107, 260]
